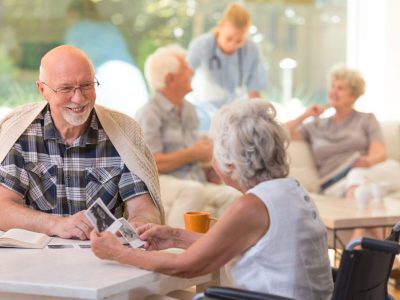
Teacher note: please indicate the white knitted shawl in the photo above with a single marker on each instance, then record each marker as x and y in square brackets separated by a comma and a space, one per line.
[124, 132]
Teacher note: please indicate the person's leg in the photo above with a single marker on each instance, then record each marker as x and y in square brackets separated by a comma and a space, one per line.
[179, 196]
[385, 173]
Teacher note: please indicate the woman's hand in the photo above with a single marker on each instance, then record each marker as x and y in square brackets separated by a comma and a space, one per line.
[105, 245]
[314, 110]
[362, 162]
[157, 237]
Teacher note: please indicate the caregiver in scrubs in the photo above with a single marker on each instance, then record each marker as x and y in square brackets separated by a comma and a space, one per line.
[227, 65]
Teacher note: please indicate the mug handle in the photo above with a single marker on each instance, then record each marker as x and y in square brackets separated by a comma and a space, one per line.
[211, 218]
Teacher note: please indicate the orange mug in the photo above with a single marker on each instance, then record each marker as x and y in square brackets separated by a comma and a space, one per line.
[198, 221]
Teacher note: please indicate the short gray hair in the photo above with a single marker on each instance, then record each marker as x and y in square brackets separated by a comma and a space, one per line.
[246, 136]
[161, 63]
[352, 78]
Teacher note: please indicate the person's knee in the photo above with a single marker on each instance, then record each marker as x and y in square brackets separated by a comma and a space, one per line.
[219, 197]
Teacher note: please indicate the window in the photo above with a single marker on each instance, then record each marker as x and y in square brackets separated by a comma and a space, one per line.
[300, 41]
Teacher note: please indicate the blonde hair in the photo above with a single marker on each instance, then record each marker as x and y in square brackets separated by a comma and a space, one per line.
[236, 15]
[352, 78]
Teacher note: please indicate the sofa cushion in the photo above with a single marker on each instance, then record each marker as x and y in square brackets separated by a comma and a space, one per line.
[302, 166]
[391, 135]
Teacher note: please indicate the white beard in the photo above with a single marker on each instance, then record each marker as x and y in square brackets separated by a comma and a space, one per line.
[74, 120]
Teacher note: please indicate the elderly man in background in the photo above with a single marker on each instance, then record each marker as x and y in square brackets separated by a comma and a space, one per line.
[58, 156]
[170, 125]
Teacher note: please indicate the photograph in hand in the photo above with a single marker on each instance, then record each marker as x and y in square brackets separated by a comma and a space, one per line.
[129, 234]
[100, 216]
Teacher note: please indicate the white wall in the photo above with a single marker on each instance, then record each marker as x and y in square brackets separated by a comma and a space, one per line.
[373, 47]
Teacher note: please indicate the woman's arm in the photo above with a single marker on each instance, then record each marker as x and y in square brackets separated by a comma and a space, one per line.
[243, 224]
[159, 237]
[314, 110]
[376, 154]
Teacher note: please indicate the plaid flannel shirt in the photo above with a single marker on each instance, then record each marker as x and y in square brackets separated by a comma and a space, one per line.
[62, 179]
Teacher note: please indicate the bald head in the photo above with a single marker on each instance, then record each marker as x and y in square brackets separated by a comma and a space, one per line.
[61, 59]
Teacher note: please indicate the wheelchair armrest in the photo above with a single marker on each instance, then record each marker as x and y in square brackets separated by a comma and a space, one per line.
[239, 294]
[378, 245]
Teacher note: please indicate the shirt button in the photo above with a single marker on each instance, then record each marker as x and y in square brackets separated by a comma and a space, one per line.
[307, 198]
[68, 177]
[314, 214]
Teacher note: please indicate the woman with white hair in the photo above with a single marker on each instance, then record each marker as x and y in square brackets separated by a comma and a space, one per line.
[272, 235]
[346, 134]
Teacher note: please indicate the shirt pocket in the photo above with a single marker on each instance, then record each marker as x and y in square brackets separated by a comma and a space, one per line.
[42, 192]
[102, 183]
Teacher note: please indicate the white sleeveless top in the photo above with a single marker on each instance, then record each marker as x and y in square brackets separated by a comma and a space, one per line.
[291, 259]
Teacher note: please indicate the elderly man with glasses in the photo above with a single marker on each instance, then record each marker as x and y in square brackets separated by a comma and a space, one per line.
[59, 155]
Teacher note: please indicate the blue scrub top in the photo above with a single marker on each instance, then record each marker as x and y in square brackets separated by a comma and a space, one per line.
[217, 76]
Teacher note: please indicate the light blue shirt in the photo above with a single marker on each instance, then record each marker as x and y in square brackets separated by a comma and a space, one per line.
[101, 41]
[166, 131]
[220, 78]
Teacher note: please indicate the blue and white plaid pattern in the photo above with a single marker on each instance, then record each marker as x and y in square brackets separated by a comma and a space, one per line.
[64, 179]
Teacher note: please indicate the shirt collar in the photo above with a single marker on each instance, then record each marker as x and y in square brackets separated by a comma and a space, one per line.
[90, 136]
[163, 102]
[166, 105]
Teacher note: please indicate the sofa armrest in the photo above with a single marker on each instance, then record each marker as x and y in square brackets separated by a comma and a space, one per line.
[302, 166]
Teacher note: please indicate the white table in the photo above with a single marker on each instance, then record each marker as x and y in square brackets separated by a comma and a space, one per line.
[341, 214]
[77, 274]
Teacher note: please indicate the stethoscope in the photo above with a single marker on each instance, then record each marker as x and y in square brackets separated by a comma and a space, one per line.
[215, 61]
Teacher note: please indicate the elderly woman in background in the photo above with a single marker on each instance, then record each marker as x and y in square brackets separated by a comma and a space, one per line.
[273, 231]
[348, 133]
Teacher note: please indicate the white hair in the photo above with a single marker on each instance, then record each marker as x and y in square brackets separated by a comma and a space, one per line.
[161, 63]
[249, 145]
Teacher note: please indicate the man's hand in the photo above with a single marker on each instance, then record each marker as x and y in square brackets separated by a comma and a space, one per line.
[202, 150]
[75, 226]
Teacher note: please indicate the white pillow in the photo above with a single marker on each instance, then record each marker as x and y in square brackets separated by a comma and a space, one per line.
[302, 166]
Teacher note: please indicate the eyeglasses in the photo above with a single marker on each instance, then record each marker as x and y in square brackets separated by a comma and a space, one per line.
[70, 90]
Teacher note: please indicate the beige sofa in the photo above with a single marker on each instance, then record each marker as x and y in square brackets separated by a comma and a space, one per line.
[302, 166]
